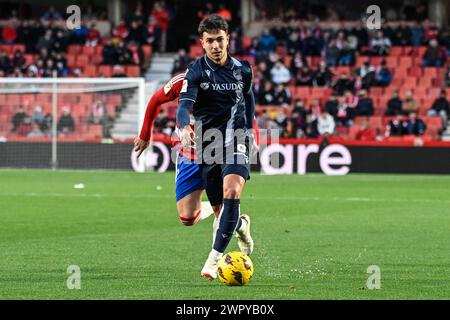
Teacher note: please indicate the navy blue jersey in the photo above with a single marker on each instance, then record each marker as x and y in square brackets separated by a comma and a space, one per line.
[218, 94]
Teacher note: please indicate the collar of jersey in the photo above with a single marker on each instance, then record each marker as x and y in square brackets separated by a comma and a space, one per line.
[213, 66]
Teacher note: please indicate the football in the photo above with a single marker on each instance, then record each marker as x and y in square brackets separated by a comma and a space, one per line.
[235, 269]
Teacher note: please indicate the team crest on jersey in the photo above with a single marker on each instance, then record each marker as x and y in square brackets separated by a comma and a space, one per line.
[204, 85]
[237, 74]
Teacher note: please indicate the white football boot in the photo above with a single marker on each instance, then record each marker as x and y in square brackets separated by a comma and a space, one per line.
[209, 270]
[244, 237]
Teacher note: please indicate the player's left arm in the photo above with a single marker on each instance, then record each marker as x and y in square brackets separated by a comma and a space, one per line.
[250, 104]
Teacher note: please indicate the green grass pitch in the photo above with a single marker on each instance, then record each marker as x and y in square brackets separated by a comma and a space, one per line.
[315, 236]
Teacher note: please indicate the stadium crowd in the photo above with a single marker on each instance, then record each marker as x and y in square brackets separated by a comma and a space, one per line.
[290, 60]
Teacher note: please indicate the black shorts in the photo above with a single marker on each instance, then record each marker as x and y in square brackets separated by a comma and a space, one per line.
[237, 162]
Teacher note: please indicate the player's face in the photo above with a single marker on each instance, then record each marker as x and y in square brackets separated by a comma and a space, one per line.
[216, 45]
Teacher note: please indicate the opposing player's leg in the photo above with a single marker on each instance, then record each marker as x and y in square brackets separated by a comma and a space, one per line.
[188, 189]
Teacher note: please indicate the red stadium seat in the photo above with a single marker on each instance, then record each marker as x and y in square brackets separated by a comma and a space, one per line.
[133, 71]
[195, 51]
[71, 60]
[147, 51]
[415, 71]
[430, 72]
[88, 50]
[90, 70]
[82, 61]
[405, 62]
[20, 47]
[74, 49]
[396, 51]
[391, 62]
[433, 123]
[105, 71]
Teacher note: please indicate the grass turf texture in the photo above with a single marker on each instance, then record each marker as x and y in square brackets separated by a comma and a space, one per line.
[315, 237]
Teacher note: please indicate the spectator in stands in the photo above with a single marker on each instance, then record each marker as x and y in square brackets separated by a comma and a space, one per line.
[431, 31]
[441, 108]
[434, 56]
[183, 59]
[124, 54]
[293, 43]
[49, 68]
[322, 76]
[120, 32]
[394, 105]
[99, 115]
[297, 62]
[60, 42]
[66, 123]
[207, 9]
[365, 104]
[37, 117]
[9, 33]
[310, 128]
[280, 74]
[332, 53]
[416, 38]
[267, 95]
[367, 73]
[447, 76]
[383, 75]
[402, 35]
[380, 44]
[325, 124]
[297, 119]
[45, 41]
[224, 12]
[304, 77]
[396, 127]
[343, 115]
[93, 37]
[342, 84]
[137, 34]
[61, 65]
[331, 106]
[51, 14]
[109, 53]
[365, 133]
[153, 33]
[235, 44]
[282, 95]
[25, 127]
[347, 55]
[5, 62]
[254, 49]
[35, 131]
[409, 104]
[162, 17]
[415, 125]
[18, 118]
[118, 72]
[267, 43]
[79, 35]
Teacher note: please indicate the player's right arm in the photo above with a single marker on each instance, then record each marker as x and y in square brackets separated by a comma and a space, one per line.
[188, 96]
[163, 95]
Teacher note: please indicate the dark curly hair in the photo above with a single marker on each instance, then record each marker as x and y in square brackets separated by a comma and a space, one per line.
[211, 23]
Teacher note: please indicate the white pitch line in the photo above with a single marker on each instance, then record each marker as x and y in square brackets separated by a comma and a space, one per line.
[166, 196]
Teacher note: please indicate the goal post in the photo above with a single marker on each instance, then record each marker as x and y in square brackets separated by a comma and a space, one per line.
[36, 113]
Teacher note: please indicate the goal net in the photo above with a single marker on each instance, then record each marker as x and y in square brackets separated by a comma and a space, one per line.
[69, 123]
